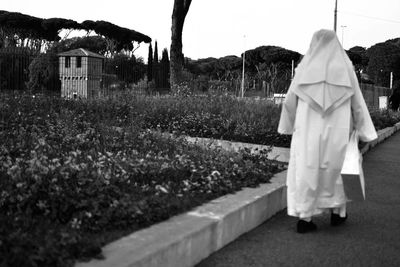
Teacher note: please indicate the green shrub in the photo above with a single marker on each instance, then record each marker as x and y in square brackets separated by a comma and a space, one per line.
[76, 175]
[383, 118]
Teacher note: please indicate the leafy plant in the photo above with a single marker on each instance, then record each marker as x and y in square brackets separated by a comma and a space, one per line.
[76, 175]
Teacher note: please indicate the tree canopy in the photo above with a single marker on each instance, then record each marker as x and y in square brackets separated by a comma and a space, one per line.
[383, 59]
[358, 55]
[123, 37]
[271, 54]
[97, 44]
[17, 29]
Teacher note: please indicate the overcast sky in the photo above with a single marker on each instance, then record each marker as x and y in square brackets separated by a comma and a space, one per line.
[217, 28]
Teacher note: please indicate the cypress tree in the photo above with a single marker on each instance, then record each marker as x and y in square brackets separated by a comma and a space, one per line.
[164, 65]
[155, 58]
[150, 64]
[156, 72]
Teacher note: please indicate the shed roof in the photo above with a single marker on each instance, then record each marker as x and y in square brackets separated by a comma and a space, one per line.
[80, 52]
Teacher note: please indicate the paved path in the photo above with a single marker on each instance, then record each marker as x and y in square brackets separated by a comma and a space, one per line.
[370, 236]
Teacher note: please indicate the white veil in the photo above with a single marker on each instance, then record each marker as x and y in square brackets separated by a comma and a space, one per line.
[323, 78]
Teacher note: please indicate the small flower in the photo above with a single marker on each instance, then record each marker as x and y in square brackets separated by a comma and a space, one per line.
[76, 223]
[41, 141]
[4, 194]
[161, 188]
[164, 166]
[114, 204]
[41, 204]
[215, 174]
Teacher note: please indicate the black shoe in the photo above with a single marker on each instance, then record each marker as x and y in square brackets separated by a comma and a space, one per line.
[337, 220]
[304, 227]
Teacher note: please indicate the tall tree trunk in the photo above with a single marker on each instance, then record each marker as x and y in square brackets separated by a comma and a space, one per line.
[181, 8]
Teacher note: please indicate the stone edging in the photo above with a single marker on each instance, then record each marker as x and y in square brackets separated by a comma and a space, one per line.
[186, 239]
[382, 135]
[277, 153]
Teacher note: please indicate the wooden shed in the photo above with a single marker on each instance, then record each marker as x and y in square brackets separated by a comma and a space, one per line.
[80, 73]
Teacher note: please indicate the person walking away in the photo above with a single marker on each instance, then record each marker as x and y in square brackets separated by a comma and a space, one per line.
[322, 106]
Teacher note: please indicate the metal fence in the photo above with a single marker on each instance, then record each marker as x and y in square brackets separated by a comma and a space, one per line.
[14, 68]
[22, 69]
[372, 93]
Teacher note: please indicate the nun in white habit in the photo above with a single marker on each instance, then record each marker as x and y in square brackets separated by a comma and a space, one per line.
[322, 106]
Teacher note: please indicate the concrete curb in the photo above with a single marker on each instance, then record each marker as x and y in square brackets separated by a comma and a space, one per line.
[382, 135]
[186, 239]
[277, 153]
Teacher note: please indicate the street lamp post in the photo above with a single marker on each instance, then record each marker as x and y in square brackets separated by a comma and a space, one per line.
[244, 59]
[335, 16]
[291, 77]
[343, 26]
[391, 80]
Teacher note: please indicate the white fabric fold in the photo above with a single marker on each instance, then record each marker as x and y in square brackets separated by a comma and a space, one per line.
[323, 97]
[323, 76]
[325, 61]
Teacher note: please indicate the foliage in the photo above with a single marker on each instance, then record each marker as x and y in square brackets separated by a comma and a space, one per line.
[359, 58]
[213, 116]
[265, 63]
[383, 118]
[156, 67]
[150, 64]
[219, 116]
[180, 90]
[53, 26]
[78, 174]
[43, 73]
[127, 69]
[96, 44]
[14, 67]
[383, 59]
[164, 69]
[155, 58]
[20, 29]
[123, 37]
[24, 30]
[270, 54]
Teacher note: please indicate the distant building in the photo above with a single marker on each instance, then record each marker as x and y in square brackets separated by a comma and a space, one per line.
[80, 73]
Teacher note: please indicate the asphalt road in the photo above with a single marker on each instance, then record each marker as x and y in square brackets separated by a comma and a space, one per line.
[370, 236]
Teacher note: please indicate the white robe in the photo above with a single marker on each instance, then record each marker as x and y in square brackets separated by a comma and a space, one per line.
[323, 104]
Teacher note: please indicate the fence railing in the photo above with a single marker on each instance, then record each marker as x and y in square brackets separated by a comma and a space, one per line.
[23, 69]
[14, 68]
[372, 93]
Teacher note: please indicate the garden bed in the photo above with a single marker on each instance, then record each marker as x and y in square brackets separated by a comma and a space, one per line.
[77, 175]
[210, 116]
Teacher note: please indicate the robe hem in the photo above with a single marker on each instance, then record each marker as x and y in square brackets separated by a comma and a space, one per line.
[318, 210]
